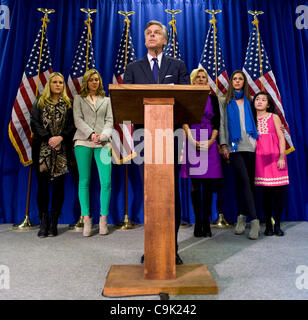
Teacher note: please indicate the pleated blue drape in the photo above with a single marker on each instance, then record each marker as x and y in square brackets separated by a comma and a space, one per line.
[287, 48]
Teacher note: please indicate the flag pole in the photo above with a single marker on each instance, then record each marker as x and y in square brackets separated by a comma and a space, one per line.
[78, 226]
[213, 23]
[255, 22]
[126, 224]
[221, 222]
[89, 35]
[26, 224]
[172, 23]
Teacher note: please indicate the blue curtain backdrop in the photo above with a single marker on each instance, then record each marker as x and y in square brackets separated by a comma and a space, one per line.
[287, 48]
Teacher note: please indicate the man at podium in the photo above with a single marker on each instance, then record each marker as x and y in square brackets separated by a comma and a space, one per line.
[158, 68]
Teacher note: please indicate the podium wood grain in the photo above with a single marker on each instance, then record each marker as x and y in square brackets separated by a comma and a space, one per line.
[159, 225]
[159, 107]
[127, 280]
[127, 101]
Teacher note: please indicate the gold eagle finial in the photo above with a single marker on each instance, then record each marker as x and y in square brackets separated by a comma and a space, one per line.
[126, 13]
[46, 12]
[255, 13]
[89, 12]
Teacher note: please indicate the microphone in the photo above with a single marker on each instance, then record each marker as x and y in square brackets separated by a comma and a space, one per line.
[156, 54]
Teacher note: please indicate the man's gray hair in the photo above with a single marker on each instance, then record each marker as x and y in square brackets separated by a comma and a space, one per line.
[155, 22]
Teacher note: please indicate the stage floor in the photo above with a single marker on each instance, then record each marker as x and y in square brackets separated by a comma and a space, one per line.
[72, 267]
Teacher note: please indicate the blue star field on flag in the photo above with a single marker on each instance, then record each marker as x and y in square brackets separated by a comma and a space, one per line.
[267, 82]
[207, 61]
[252, 61]
[80, 64]
[172, 48]
[120, 60]
[31, 69]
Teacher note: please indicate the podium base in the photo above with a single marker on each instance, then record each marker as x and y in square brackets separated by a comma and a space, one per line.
[128, 280]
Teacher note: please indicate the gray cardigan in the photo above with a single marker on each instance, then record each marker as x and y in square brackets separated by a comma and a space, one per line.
[247, 143]
[87, 120]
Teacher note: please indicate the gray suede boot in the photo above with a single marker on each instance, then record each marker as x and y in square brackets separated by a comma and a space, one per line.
[103, 228]
[87, 227]
[254, 229]
[240, 225]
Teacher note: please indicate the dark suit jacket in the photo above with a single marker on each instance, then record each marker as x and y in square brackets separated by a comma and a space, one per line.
[171, 71]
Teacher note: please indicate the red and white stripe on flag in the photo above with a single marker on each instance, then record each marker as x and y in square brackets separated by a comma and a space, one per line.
[19, 127]
[212, 63]
[252, 68]
[123, 142]
[122, 137]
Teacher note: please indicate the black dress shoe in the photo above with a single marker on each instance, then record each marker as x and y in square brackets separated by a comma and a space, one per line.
[279, 232]
[268, 232]
[207, 234]
[198, 231]
[178, 259]
[142, 259]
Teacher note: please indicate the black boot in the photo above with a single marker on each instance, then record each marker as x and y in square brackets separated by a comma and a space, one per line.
[53, 230]
[277, 231]
[198, 229]
[43, 232]
[206, 232]
[196, 203]
[268, 227]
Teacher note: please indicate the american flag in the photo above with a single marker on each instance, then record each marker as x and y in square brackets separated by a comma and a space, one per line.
[172, 48]
[19, 127]
[120, 65]
[122, 136]
[79, 66]
[207, 62]
[252, 71]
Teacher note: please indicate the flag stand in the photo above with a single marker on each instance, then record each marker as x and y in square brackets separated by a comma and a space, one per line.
[26, 224]
[78, 226]
[221, 222]
[126, 224]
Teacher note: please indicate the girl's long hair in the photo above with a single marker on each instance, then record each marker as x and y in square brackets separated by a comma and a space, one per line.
[45, 98]
[230, 92]
[84, 91]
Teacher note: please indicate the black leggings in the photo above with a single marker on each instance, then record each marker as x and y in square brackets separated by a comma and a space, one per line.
[273, 201]
[206, 194]
[244, 170]
[44, 182]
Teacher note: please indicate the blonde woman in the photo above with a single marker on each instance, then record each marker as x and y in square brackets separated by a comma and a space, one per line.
[53, 129]
[94, 122]
[201, 142]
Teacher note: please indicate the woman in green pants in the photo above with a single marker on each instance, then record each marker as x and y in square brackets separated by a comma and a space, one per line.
[94, 122]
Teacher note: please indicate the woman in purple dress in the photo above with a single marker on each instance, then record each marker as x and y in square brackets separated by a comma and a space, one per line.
[201, 160]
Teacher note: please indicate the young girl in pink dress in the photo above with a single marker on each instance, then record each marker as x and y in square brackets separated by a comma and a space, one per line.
[271, 163]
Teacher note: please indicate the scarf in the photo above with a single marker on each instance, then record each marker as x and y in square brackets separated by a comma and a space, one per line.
[54, 161]
[234, 124]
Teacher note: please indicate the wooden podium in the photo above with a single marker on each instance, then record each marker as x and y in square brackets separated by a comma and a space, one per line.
[158, 107]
